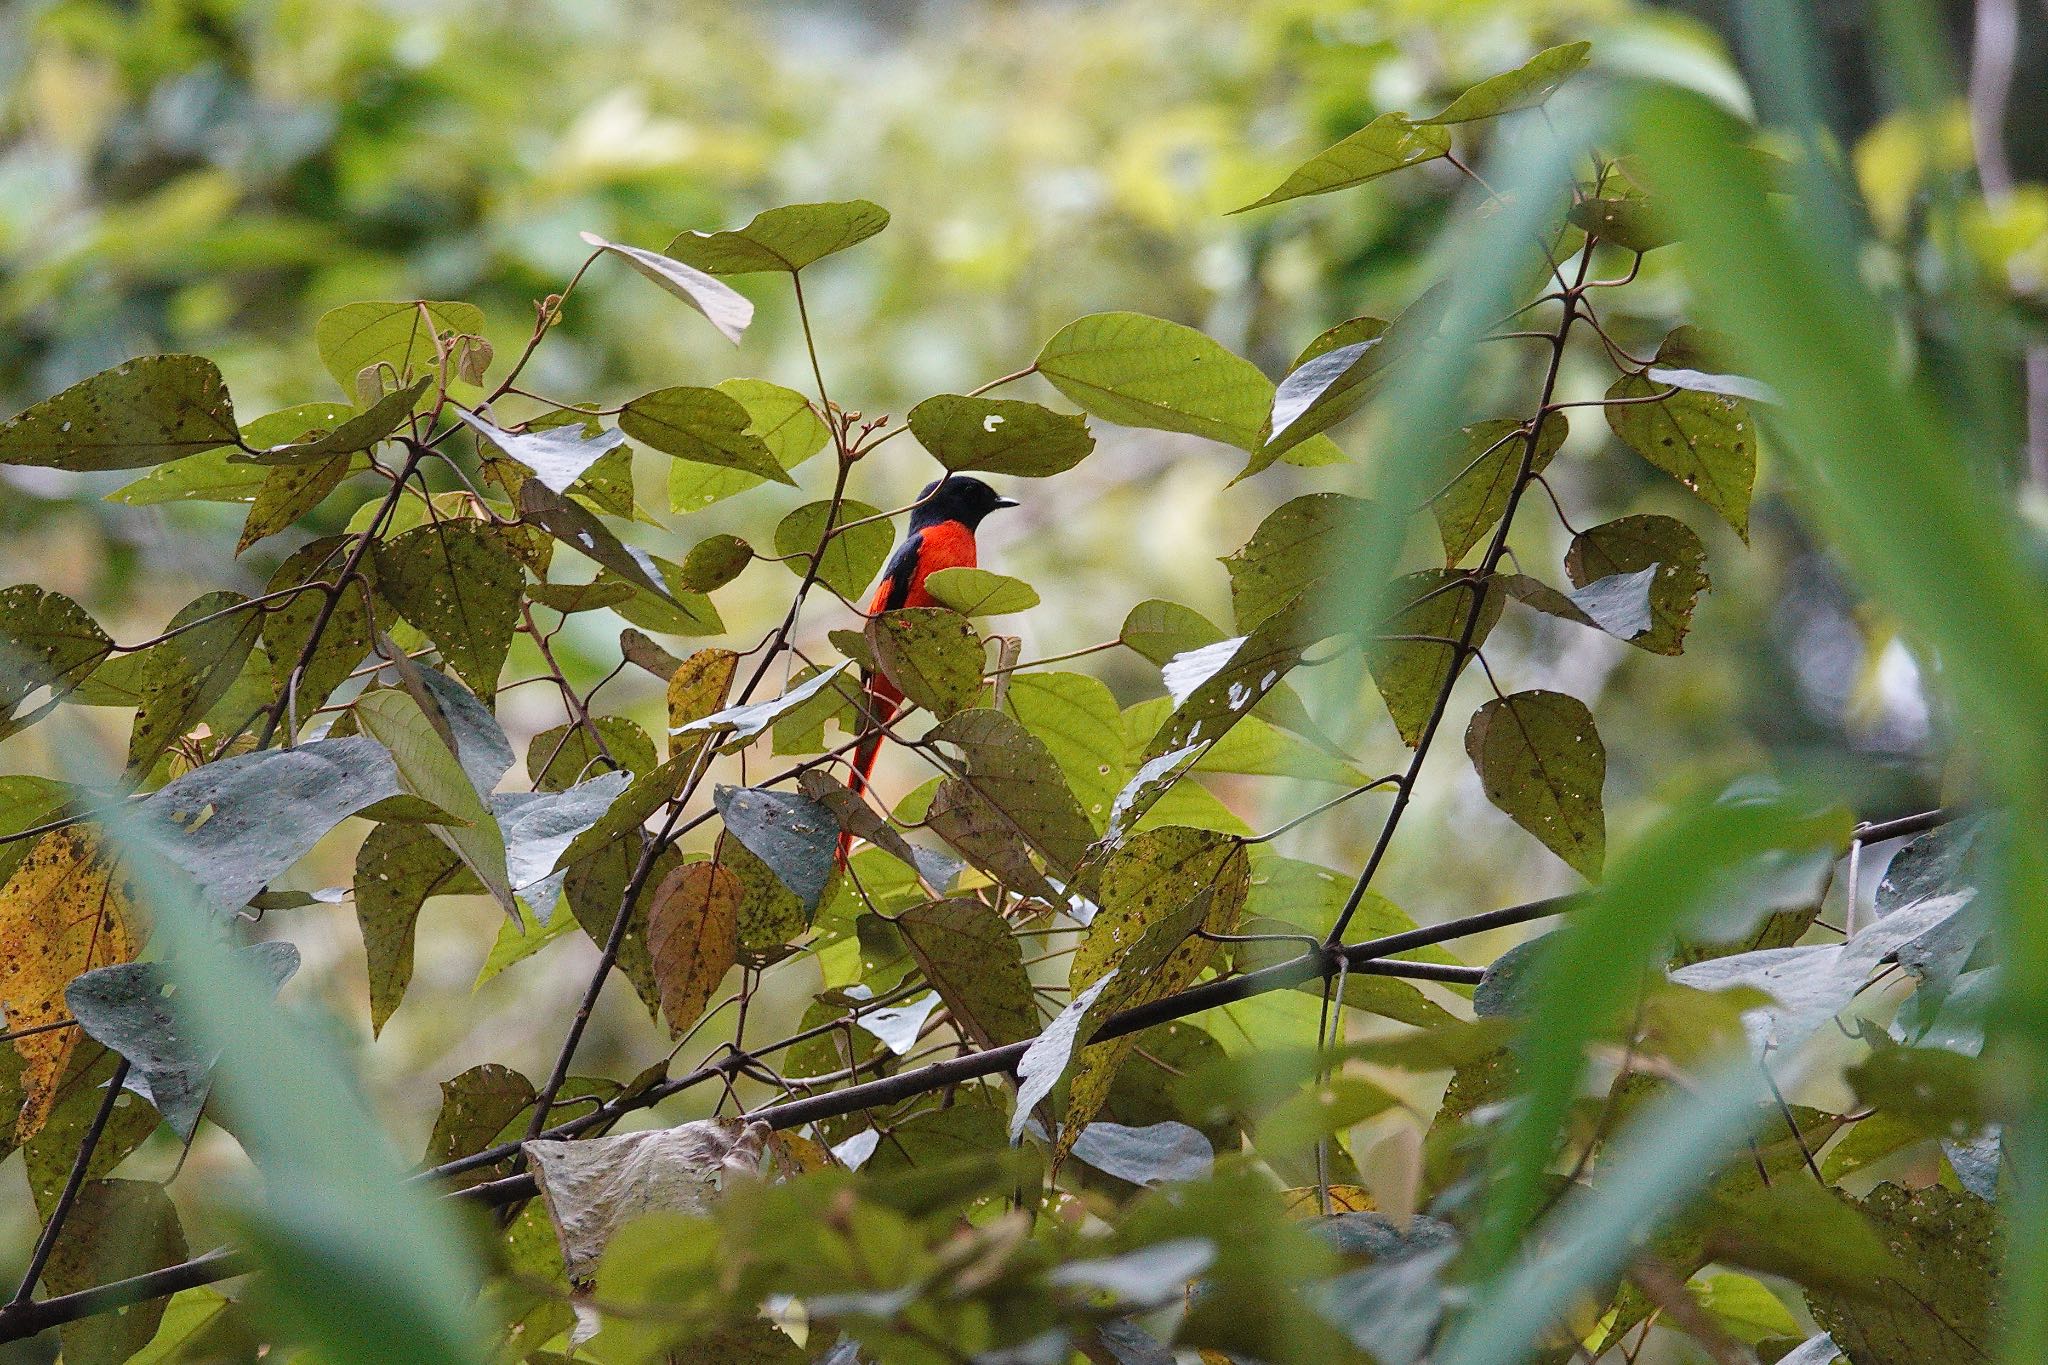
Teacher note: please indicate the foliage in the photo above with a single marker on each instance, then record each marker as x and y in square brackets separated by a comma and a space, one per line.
[1086, 1066]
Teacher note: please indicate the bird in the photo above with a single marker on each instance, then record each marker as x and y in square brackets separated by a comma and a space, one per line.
[941, 536]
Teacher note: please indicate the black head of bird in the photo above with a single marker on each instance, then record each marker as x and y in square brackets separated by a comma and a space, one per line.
[957, 497]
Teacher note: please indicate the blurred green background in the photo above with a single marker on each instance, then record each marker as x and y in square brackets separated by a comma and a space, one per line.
[179, 175]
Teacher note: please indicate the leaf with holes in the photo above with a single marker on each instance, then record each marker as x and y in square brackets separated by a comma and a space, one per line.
[980, 592]
[770, 916]
[290, 492]
[1527, 86]
[693, 934]
[746, 721]
[1014, 772]
[144, 412]
[458, 583]
[476, 1106]
[793, 835]
[1159, 631]
[932, 654]
[70, 906]
[695, 690]
[127, 1006]
[1629, 546]
[703, 426]
[1000, 435]
[1706, 441]
[1076, 718]
[786, 238]
[577, 527]
[186, 674]
[988, 838]
[1540, 759]
[1488, 459]
[1939, 1302]
[851, 558]
[1390, 143]
[1291, 552]
[723, 306]
[46, 640]
[969, 955]
[1411, 657]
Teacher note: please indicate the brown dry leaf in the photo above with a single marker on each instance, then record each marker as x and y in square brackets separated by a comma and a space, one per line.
[67, 909]
[693, 932]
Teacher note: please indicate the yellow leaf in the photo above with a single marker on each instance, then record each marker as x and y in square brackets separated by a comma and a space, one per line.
[67, 909]
[1303, 1202]
[696, 690]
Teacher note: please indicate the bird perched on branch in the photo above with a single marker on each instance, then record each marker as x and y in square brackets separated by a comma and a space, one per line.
[941, 536]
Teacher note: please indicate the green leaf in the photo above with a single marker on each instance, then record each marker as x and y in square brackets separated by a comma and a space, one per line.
[852, 558]
[570, 598]
[932, 654]
[969, 955]
[288, 624]
[1000, 435]
[1540, 759]
[560, 758]
[1527, 86]
[25, 802]
[1075, 717]
[429, 770]
[557, 455]
[46, 640]
[540, 826]
[980, 592]
[1295, 546]
[770, 916]
[290, 492]
[987, 838]
[1489, 459]
[1632, 544]
[794, 837]
[723, 306]
[1296, 1124]
[787, 238]
[189, 672]
[1706, 441]
[397, 869]
[236, 824]
[400, 335]
[1044, 1064]
[1619, 604]
[575, 526]
[116, 1229]
[318, 443]
[703, 426]
[126, 1007]
[676, 612]
[782, 418]
[458, 583]
[1389, 143]
[1159, 630]
[744, 722]
[693, 935]
[1629, 221]
[1331, 384]
[1937, 1303]
[1013, 771]
[1251, 746]
[1411, 673]
[476, 1106]
[1140, 371]
[144, 412]
[714, 562]
[210, 476]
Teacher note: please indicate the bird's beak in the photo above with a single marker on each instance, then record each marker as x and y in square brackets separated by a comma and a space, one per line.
[1007, 502]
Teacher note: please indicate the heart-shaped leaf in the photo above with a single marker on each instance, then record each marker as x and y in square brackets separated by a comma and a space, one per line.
[787, 238]
[1540, 759]
[144, 412]
[1000, 435]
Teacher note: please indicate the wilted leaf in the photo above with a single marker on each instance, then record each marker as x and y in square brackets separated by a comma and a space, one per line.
[1633, 544]
[397, 869]
[693, 934]
[67, 909]
[558, 456]
[127, 1006]
[144, 412]
[596, 1186]
[703, 426]
[793, 836]
[46, 640]
[851, 559]
[1291, 552]
[786, 238]
[968, 953]
[978, 592]
[1528, 85]
[725, 307]
[1488, 459]
[1540, 759]
[1411, 673]
[932, 654]
[1389, 143]
[456, 581]
[400, 336]
[186, 674]
[1000, 435]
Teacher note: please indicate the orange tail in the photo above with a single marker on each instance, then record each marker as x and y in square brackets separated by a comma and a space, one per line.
[879, 703]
